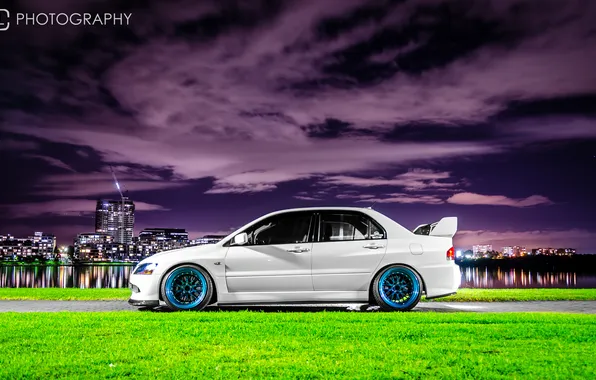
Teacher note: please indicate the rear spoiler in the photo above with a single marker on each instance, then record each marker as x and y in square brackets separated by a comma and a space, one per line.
[446, 227]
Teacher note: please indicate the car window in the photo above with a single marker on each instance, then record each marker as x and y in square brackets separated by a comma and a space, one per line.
[376, 231]
[348, 226]
[289, 228]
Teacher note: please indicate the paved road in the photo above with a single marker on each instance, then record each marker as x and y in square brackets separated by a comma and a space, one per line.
[585, 307]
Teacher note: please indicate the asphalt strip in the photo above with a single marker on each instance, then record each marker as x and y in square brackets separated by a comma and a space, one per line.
[583, 307]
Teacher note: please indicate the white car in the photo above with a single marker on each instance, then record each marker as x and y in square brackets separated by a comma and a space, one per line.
[315, 255]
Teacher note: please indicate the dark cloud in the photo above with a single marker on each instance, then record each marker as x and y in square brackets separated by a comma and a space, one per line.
[440, 132]
[331, 128]
[581, 104]
[432, 37]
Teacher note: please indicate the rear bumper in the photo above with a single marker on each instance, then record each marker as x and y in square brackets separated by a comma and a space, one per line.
[441, 280]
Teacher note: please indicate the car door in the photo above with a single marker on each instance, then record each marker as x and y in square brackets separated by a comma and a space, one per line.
[277, 257]
[348, 248]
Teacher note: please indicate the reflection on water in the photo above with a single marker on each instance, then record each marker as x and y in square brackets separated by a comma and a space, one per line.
[520, 278]
[88, 276]
[103, 276]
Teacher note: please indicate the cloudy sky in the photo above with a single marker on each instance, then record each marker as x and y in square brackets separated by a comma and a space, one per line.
[213, 113]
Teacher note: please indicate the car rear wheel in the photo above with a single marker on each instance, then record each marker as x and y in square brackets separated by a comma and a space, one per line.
[187, 287]
[397, 288]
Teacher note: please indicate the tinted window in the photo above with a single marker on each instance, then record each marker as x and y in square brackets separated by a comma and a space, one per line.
[347, 226]
[281, 229]
[423, 230]
[376, 232]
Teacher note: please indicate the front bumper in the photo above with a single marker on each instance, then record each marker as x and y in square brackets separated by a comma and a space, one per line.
[144, 288]
[139, 303]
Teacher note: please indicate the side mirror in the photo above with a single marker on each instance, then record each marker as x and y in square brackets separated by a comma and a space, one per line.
[241, 239]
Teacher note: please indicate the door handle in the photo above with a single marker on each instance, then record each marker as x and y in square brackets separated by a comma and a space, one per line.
[373, 246]
[298, 250]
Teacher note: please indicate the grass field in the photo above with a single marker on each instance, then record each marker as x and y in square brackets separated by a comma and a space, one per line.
[297, 345]
[504, 295]
[463, 295]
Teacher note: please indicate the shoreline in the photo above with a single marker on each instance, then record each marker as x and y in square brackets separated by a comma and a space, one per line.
[92, 263]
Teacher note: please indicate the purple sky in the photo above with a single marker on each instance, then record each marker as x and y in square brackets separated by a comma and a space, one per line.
[214, 113]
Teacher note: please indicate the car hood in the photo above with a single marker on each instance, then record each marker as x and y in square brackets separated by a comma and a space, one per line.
[187, 253]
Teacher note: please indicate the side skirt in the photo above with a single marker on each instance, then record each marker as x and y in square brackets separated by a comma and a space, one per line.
[441, 295]
[291, 297]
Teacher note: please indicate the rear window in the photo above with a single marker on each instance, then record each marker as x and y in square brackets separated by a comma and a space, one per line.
[348, 226]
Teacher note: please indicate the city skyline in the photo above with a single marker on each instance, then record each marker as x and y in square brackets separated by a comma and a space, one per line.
[213, 116]
[114, 231]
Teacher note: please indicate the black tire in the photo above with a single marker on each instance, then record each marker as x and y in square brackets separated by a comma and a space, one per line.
[401, 295]
[187, 287]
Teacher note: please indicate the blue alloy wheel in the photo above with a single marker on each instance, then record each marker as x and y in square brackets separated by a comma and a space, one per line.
[185, 288]
[398, 288]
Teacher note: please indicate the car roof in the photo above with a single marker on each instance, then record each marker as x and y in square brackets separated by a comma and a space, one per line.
[329, 208]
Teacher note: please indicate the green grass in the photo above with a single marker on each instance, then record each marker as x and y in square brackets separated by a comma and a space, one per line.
[65, 294]
[463, 295]
[297, 345]
[504, 295]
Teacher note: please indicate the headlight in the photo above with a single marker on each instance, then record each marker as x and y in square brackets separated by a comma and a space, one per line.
[146, 268]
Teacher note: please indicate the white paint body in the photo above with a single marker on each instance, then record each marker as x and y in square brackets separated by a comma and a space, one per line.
[335, 271]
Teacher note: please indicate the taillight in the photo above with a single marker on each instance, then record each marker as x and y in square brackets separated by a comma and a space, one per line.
[451, 254]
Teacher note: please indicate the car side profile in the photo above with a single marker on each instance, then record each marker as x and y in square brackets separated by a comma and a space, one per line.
[315, 255]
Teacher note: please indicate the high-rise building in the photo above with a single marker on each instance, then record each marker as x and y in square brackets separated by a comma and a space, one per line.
[115, 218]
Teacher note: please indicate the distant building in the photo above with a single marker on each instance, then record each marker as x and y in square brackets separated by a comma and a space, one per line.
[481, 250]
[38, 245]
[554, 251]
[153, 240]
[164, 234]
[514, 251]
[115, 218]
[45, 244]
[94, 238]
[93, 246]
[207, 239]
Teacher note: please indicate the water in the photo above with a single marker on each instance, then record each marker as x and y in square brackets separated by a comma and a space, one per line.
[494, 278]
[116, 276]
[87, 276]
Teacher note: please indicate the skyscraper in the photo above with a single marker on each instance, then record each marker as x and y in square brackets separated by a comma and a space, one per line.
[115, 218]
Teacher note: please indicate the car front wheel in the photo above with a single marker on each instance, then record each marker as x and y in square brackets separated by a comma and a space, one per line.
[397, 288]
[187, 287]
